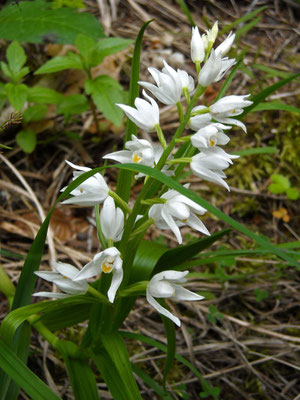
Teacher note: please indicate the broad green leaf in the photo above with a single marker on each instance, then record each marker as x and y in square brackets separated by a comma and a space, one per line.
[276, 188]
[34, 113]
[32, 21]
[73, 104]
[26, 139]
[16, 56]
[17, 95]
[106, 92]
[86, 46]
[292, 193]
[276, 105]
[6, 70]
[43, 95]
[281, 180]
[60, 63]
[108, 46]
[125, 177]
[23, 376]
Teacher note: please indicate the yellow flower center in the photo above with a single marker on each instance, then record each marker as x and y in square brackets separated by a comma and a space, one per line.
[108, 265]
[184, 220]
[136, 158]
[81, 190]
[211, 142]
[233, 111]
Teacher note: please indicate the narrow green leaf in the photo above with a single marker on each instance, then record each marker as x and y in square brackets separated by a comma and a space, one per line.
[125, 177]
[151, 383]
[271, 71]
[179, 255]
[256, 150]
[60, 63]
[247, 27]
[171, 346]
[260, 97]
[158, 175]
[243, 19]
[22, 375]
[115, 347]
[111, 376]
[186, 11]
[276, 105]
[82, 379]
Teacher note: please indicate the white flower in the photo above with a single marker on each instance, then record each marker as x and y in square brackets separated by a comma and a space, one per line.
[230, 106]
[63, 279]
[146, 114]
[177, 211]
[210, 135]
[168, 89]
[107, 261]
[165, 285]
[214, 69]
[187, 80]
[111, 220]
[140, 151]
[92, 191]
[225, 46]
[197, 46]
[201, 120]
[210, 163]
[212, 33]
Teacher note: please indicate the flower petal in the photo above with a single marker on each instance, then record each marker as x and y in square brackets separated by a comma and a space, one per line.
[161, 309]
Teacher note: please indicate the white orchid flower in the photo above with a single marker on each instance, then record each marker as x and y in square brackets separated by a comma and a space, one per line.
[140, 151]
[146, 114]
[63, 279]
[230, 106]
[214, 69]
[165, 285]
[210, 135]
[225, 46]
[177, 211]
[201, 120]
[106, 261]
[197, 46]
[210, 163]
[168, 90]
[92, 191]
[187, 81]
[111, 220]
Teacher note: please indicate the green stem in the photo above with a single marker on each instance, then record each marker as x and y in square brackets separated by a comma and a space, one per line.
[180, 160]
[123, 205]
[180, 111]
[43, 330]
[186, 95]
[150, 202]
[97, 294]
[160, 136]
[199, 112]
[198, 67]
[142, 228]
[184, 139]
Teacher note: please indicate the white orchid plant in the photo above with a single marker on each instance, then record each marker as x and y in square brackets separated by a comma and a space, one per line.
[105, 289]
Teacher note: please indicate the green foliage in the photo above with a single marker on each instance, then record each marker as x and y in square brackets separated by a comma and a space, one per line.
[106, 92]
[260, 295]
[60, 63]
[16, 58]
[210, 391]
[214, 314]
[68, 3]
[281, 184]
[34, 113]
[16, 94]
[32, 21]
[26, 139]
[73, 104]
